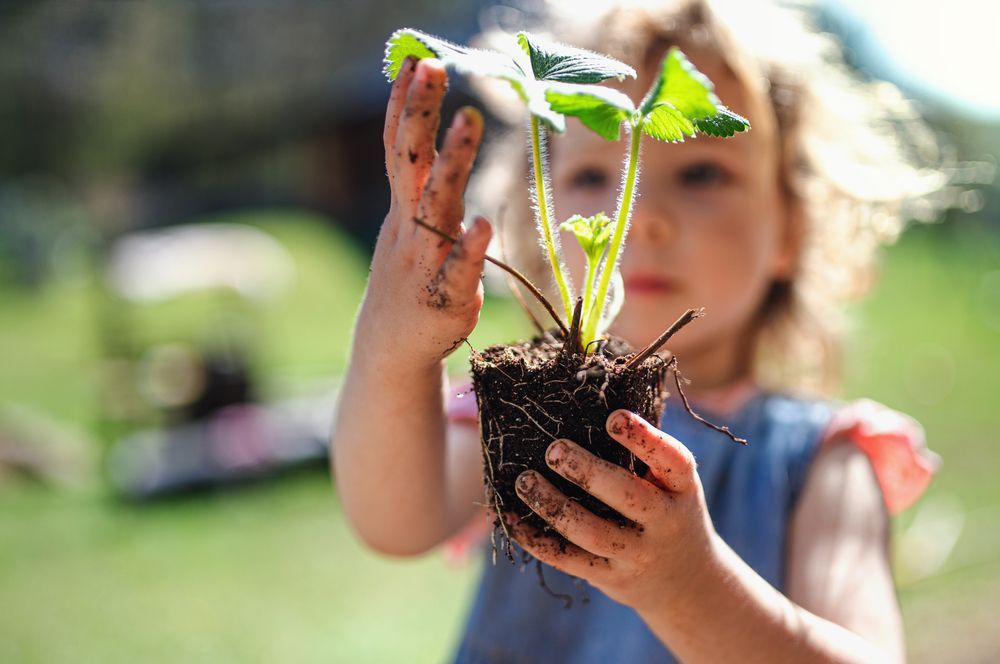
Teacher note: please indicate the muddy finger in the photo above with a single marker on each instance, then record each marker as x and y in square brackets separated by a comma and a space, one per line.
[393, 111]
[457, 281]
[442, 203]
[564, 556]
[631, 496]
[671, 465]
[573, 521]
[413, 151]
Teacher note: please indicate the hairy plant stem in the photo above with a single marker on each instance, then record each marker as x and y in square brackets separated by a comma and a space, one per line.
[621, 221]
[541, 194]
[588, 286]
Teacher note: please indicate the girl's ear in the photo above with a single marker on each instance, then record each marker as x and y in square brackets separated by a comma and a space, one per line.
[792, 238]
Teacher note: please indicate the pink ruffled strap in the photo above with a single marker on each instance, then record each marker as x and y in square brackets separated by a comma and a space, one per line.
[461, 405]
[463, 409]
[460, 548]
[894, 444]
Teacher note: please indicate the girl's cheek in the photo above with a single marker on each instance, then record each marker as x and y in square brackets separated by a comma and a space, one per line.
[713, 210]
[707, 200]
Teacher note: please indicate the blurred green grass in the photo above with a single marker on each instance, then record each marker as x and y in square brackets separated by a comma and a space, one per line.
[928, 343]
[271, 571]
[266, 573]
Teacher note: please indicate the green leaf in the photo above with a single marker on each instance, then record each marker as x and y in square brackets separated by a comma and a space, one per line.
[682, 86]
[471, 61]
[723, 125]
[593, 233]
[600, 109]
[533, 95]
[407, 42]
[401, 45]
[666, 123]
[551, 61]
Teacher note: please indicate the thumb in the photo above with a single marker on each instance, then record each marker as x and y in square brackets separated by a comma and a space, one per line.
[460, 272]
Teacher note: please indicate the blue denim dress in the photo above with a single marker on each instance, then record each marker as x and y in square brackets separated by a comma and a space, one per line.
[750, 493]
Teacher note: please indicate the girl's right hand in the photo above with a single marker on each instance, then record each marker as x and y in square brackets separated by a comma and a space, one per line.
[424, 293]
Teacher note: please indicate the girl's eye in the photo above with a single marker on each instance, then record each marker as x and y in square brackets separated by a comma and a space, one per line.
[589, 178]
[703, 174]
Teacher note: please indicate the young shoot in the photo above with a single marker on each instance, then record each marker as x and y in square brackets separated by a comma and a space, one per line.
[593, 234]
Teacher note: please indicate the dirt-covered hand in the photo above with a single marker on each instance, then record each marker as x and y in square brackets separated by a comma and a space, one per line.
[424, 293]
[654, 562]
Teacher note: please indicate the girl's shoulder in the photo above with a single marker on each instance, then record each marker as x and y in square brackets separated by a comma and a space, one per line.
[790, 432]
[893, 442]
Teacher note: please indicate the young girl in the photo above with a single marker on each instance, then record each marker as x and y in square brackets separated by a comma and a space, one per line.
[772, 552]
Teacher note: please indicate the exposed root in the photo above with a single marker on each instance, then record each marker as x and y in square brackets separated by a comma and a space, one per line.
[496, 501]
[511, 282]
[678, 379]
[516, 292]
[566, 599]
[549, 434]
[455, 344]
[686, 317]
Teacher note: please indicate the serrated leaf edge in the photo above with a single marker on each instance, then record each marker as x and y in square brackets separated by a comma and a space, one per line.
[524, 41]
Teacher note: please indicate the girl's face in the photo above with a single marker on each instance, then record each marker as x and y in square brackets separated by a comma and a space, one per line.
[710, 228]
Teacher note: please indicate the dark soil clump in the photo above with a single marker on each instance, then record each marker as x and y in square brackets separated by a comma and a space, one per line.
[531, 393]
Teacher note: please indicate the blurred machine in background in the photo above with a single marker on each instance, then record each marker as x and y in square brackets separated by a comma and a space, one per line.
[181, 401]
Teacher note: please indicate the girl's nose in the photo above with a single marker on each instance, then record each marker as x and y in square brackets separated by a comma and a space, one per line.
[651, 224]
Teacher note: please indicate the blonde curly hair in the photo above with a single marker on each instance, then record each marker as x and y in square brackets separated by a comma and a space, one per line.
[854, 157]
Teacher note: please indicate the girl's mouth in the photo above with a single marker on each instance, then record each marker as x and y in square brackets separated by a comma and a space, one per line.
[648, 284]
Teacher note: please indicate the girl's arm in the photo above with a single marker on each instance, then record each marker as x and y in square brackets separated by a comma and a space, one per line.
[838, 550]
[841, 605]
[407, 481]
[405, 486]
[697, 595]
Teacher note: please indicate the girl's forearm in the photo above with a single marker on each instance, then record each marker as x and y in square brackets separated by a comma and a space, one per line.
[729, 613]
[388, 453]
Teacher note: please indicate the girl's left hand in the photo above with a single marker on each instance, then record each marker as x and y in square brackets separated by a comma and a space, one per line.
[644, 566]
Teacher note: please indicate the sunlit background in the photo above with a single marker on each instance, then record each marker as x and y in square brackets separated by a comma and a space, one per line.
[188, 197]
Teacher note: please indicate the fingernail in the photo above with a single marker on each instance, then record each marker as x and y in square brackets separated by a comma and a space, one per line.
[471, 116]
[478, 232]
[421, 73]
[556, 452]
[617, 422]
[526, 481]
[424, 73]
[472, 232]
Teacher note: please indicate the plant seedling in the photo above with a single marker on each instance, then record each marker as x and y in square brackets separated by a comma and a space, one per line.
[531, 393]
[556, 81]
